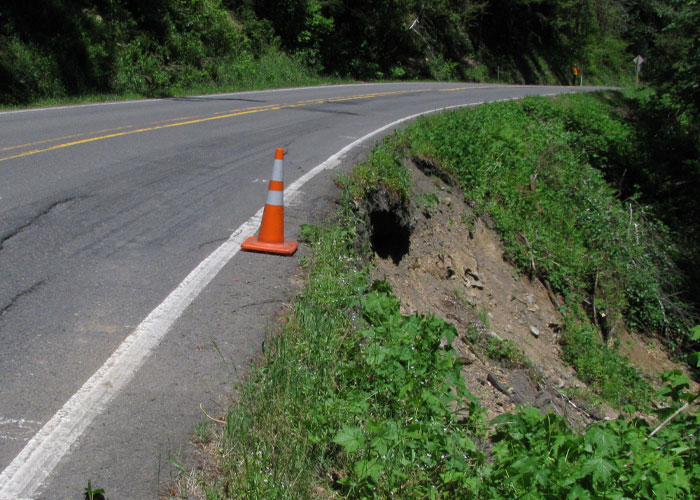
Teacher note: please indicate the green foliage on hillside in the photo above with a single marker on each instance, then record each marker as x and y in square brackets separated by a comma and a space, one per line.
[57, 48]
[520, 41]
[673, 64]
[62, 48]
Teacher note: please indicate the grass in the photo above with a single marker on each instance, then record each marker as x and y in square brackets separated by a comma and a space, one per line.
[355, 400]
[539, 170]
[609, 375]
[503, 351]
[272, 435]
[383, 169]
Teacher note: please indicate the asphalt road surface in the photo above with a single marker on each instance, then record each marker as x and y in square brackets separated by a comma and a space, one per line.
[124, 302]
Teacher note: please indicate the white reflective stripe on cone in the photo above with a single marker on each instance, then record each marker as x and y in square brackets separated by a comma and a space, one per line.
[277, 171]
[275, 197]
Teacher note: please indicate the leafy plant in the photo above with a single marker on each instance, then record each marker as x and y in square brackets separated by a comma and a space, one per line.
[404, 386]
[506, 352]
[94, 494]
[538, 456]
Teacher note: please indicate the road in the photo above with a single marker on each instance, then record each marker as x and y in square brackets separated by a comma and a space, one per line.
[104, 210]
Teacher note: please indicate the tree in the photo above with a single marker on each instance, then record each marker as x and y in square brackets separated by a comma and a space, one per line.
[673, 65]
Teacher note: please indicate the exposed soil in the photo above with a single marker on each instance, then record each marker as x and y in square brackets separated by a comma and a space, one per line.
[453, 267]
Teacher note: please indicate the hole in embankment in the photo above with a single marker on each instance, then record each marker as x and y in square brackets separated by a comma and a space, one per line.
[390, 236]
[389, 220]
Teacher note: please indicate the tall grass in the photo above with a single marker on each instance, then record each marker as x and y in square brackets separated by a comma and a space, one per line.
[276, 433]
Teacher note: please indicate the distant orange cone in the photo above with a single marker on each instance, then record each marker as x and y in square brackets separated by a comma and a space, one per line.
[270, 238]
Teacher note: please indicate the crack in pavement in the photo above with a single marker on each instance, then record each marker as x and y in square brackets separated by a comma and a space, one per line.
[21, 294]
[14, 232]
[212, 242]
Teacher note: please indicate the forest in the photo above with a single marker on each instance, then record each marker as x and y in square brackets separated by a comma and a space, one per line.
[53, 49]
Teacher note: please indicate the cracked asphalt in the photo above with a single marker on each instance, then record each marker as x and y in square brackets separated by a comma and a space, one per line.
[105, 209]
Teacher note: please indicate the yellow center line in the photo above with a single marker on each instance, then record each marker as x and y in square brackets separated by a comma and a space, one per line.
[177, 119]
[121, 134]
[194, 117]
[468, 88]
[9, 148]
[195, 120]
[261, 108]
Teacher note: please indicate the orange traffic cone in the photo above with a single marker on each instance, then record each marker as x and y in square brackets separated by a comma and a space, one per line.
[270, 238]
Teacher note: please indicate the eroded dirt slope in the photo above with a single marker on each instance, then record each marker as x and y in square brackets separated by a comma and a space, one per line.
[452, 265]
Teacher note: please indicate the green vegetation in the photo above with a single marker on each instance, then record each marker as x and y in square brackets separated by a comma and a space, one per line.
[94, 494]
[52, 50]
[504, 351]
[355, 400]
[447, 39]
[270, 452]
[381, 170]
[538, 456]
[608, 373]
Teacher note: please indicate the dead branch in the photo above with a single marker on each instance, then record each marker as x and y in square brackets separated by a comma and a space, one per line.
[663, 424]
[532, 256]
[595, 312]
[552, 296]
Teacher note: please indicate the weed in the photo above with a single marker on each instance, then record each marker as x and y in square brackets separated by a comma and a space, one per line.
[94, 494]
[382, 170]
[503, 351]
[506, 352]
[610, 374]
[428, 202]
[469, 221]
[483, 314]
[202, 432]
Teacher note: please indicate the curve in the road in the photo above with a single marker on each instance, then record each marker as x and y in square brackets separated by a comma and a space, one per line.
[193, 120]
[25, 474]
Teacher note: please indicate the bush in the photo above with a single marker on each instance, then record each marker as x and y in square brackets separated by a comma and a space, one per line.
[27, 73]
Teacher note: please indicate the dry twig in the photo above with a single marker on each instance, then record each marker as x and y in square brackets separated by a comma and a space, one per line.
[218, 421]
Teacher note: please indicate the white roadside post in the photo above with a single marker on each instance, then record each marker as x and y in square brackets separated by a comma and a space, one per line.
[637, 67]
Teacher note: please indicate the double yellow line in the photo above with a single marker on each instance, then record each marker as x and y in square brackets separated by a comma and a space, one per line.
[182, 121]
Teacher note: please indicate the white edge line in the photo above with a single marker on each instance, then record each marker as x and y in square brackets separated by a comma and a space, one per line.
[26, 473]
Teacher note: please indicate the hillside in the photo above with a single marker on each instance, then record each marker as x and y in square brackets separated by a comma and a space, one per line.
[60, 49]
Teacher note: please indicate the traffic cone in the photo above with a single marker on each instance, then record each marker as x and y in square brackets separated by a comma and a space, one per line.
[270, 238]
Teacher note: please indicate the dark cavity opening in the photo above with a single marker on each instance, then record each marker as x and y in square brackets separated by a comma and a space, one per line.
[390, 237]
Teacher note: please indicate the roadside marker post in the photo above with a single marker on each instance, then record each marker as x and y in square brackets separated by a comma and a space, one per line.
[637, 67]
[270, 238]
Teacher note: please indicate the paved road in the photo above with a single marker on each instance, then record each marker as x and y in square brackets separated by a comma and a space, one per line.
[104, 211]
